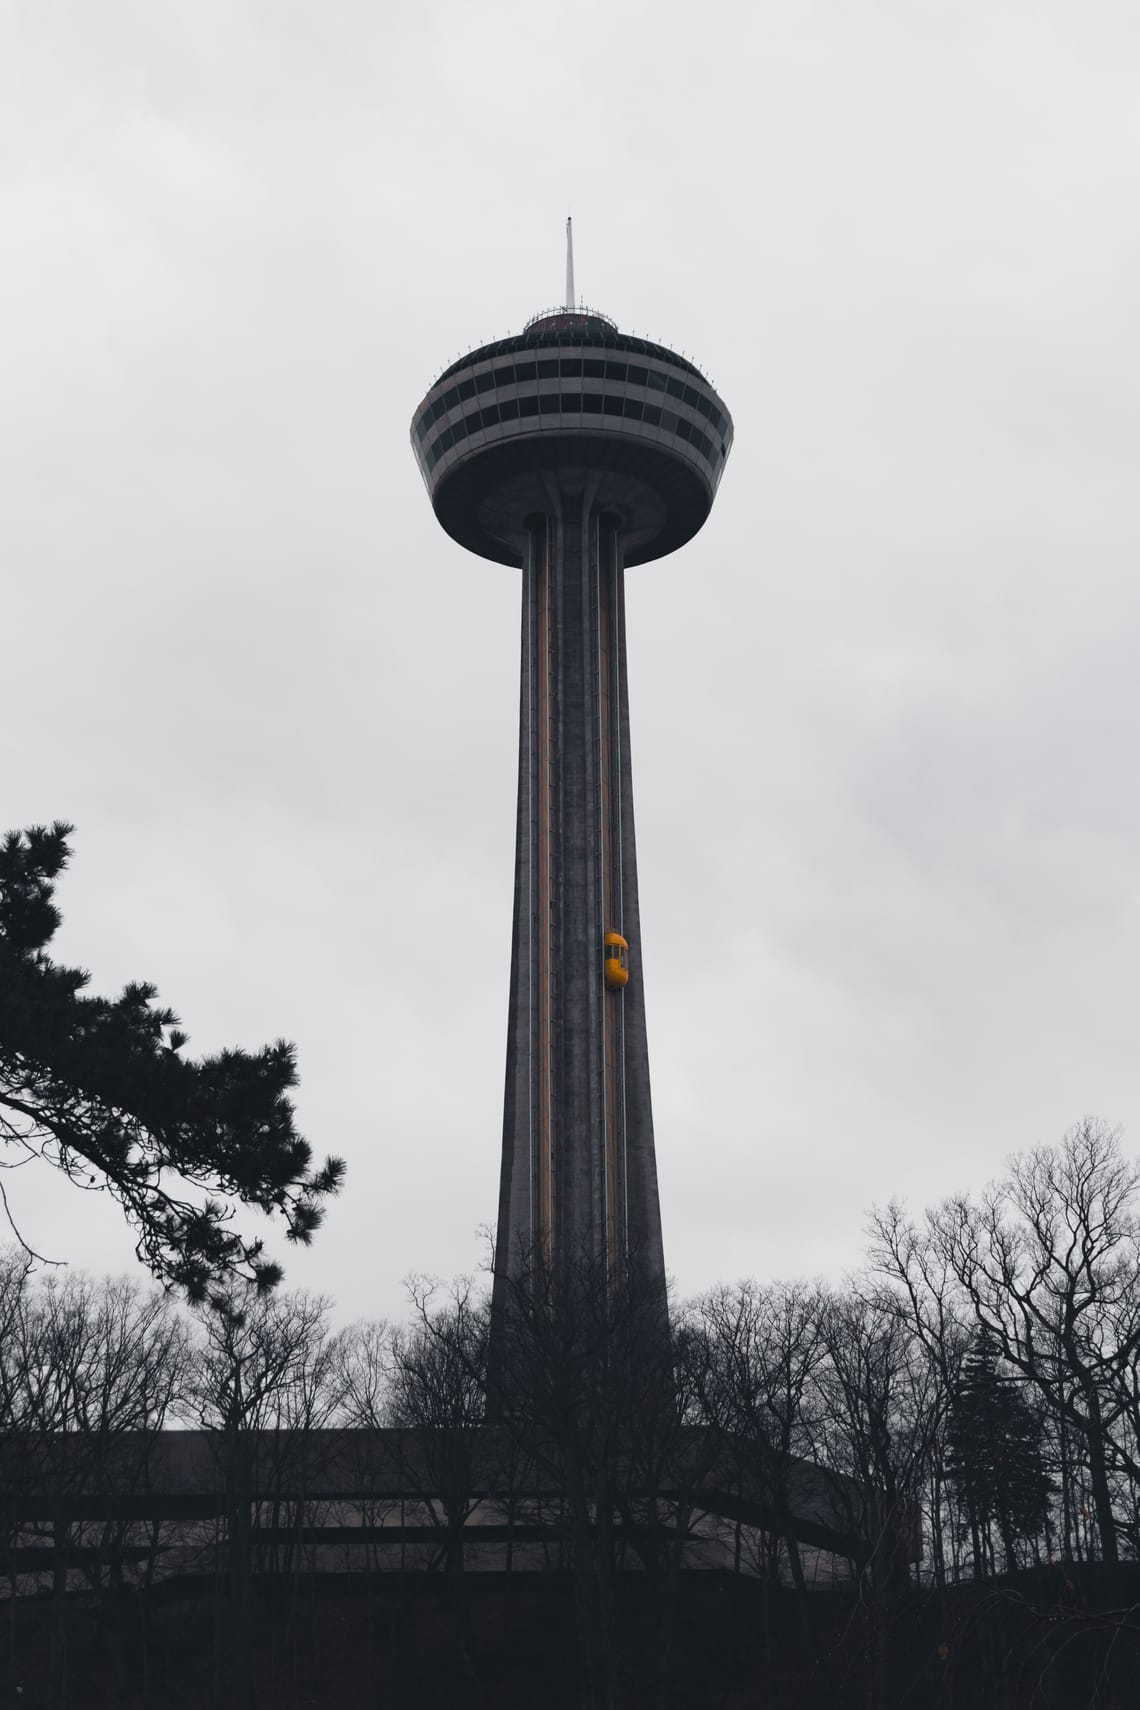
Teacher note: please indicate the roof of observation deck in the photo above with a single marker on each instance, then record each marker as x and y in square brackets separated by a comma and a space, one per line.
[571, 326]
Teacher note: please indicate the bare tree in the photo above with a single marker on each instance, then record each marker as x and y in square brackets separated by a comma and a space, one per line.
[88, 1374]
[923, 1286]
[1049, 1262]
[365, 1374]
[880, 1404]
[364, 1357]
[438, 1404]
[265, 1378]
[762, 1344]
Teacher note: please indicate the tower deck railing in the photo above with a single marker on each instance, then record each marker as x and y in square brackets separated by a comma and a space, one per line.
[578, 312]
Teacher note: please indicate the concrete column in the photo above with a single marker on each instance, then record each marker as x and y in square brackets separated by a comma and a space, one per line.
[578, 1178]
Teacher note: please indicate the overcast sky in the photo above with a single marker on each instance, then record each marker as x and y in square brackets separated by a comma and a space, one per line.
[884, 705]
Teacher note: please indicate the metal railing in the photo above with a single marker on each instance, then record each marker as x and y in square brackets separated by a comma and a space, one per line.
[581, 313]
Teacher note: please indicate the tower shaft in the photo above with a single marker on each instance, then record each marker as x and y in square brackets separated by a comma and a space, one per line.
[579, 1180]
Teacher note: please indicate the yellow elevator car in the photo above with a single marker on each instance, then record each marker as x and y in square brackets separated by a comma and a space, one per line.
[615, 949]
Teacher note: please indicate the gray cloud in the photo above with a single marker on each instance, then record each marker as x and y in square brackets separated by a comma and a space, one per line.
[884, 705]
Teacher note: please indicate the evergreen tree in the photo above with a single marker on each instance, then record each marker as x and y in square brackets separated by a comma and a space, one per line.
[994, 1455]
[99, 1088]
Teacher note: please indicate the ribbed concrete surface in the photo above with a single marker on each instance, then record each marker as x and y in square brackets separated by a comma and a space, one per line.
[579, 1178]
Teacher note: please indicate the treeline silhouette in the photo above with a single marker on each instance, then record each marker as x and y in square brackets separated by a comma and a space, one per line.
[968, 1404]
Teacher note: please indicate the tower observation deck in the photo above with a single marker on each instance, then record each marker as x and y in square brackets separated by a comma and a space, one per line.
[574, 450]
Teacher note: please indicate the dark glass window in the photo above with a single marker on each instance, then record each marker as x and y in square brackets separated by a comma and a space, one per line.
[528, 406]
[592, 402]
[445, 441]
[633, 409]
[450, 398]
[437, 409]
[504, 377]
[674, 388]
[612, 406]
[571, 400]
[704, 406]
[466, 389]
[484, 382]
[524, 370]
[509, 409]
[548, 369]
[550, 403]
[593, 369]
[683, 428]
[652, 415]
[490, 416]
[668, 421]
[616, 370]
[689, 396]
[462, 429]
[636, 375]
[656, 381]
[571, 367]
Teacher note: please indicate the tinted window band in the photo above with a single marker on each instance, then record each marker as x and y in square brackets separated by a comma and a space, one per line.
[592, 403]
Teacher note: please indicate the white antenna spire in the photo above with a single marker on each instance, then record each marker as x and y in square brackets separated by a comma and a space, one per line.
[569, 264]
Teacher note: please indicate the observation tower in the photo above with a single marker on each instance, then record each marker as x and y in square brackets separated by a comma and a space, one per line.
[574, 450]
